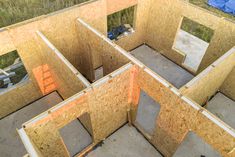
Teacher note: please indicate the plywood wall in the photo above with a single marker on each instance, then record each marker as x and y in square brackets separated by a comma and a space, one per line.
[61, 29]
[209, 81]
[228, 87]
[93, 41]
[177, 117]
[66, 80]
[21, 94]
[106, 103]
[164, 20]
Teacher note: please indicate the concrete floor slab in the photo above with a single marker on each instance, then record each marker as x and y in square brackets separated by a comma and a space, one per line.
[193, 47]
[75, 137]
[147, 113]
[194, 146]
[9, 139]
[172, 72]
[223, 107]
[125, 142]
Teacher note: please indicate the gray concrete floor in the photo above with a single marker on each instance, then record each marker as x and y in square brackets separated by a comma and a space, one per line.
[10, 142]
[223, 107]
[172, 72]
[75, 137]
[194, 146]
[193, 47]
[147, 113]
[125, 142]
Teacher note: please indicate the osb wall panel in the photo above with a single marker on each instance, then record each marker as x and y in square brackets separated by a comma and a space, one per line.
[6, 44]
[111, 58]
[106, 105]
[17, 98]
[176, 118]
[67, 82]
[45, 133]
[88, 45]
[116, 5]
[208, 85]
[61, 29]
[228, 87]
[163, 23]
[29, 91]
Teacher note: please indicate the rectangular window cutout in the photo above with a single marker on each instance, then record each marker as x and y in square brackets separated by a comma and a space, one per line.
[147, 113]
[121, 23]
[192, 39]
[12, 71]
[76, 135]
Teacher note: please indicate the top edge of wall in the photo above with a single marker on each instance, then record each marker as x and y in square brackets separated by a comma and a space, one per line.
[79, 94]
[210, 68]
[63, 59]
[127, 55]
[37, 18]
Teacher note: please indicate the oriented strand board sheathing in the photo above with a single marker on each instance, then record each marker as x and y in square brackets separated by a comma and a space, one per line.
[116, 5]
[207, 85]
[6, 45]
[29, 91]
[62, 31]
[93, 40]
[164, 20]
[228, 87]
[105, 103]
[66, 81]
[176, 118]
[18, 97]
[108, 105]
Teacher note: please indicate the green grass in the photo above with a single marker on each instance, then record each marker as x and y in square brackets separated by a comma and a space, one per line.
[125, 16]
[14, 11]
[197, 29]
[8, 59]
[203, 4]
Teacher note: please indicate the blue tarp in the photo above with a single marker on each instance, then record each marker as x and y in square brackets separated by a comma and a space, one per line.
[227, 6]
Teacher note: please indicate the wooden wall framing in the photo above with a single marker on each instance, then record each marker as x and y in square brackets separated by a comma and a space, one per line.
[179, 115]
[68, 79]
[228, 87]
[106, 102]
[208, 82]
[95, 41]
[165, 18]
[118, 93]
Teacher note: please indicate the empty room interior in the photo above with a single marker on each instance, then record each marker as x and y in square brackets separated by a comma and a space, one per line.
[109, 78]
